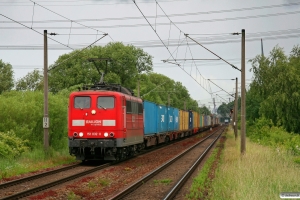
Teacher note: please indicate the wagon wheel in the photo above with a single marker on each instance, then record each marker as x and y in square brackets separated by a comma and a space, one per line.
[117, 158]
[167, 139]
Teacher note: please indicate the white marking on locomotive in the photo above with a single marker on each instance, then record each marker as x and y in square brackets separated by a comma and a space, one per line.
[109, 122]
[93, 121]
[78, 122]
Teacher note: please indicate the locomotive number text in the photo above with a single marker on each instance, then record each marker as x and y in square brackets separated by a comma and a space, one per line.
[93, 134]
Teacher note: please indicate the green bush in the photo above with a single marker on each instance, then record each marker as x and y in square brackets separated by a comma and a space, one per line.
[23, 111]
[11, 146]
[264, 132]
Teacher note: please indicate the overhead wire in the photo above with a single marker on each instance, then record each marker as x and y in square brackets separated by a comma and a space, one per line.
[176, 63]
[164, 24]
[35, 31]
[194, 40]
[220, 87]
[93, 4]
[65, 17]
[143, 44]
[54, 66]
[189, 38]
[105, 34]
[193, 61]
[32, 15]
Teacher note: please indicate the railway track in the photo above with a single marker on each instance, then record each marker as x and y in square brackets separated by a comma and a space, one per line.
[19, 188]
[158, 185]
[28, 186]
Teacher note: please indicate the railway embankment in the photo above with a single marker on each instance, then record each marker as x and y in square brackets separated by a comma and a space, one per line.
[264, 172]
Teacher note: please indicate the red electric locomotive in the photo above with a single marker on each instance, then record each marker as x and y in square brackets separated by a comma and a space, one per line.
[105, 122]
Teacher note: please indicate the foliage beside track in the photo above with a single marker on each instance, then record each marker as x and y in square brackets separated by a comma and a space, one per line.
[202, 181]
[11, 146]
[261, 174]
[22, 113]
[274, 91]
[6, 77]
[32, 161]
[264, 132]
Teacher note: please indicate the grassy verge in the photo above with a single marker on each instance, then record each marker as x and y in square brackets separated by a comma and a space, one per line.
[33, 161]
[201, 183]
[197, 190]
[262, 173]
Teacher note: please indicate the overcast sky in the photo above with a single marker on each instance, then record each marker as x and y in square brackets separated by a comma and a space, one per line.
[209, 22]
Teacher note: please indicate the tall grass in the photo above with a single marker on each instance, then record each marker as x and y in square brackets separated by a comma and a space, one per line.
[262, 173]
[33, 161]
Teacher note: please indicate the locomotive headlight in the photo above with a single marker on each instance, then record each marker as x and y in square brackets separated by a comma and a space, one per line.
[105, 134]
[80, 134]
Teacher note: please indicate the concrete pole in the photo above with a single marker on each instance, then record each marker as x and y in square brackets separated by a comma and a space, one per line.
[243, 98]
[46, 118]
[236, 108]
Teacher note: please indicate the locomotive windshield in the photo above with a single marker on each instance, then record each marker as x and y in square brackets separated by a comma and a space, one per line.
[106, 102]
[82, 102]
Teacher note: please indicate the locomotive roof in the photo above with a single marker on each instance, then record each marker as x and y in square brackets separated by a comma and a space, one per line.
[108, 87]
[89, 92]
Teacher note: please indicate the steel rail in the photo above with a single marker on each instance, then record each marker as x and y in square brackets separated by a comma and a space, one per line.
[187, 175]
[48, 185]
[140, 182]
[36, 176]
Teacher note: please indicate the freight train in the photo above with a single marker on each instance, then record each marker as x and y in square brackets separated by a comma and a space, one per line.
[107, 122]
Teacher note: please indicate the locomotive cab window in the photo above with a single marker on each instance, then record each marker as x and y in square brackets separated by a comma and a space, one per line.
[128, 107]
[82, 102]
[140, 108]
[106, 102]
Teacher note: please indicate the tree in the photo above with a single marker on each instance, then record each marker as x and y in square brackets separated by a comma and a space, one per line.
[6, 77]
[223, 110]
[204, 110]
[157, 87]
[32, 81]
[126, 62]
[274, 92]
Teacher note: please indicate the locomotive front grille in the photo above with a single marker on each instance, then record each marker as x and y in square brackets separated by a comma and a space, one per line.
[92, 143]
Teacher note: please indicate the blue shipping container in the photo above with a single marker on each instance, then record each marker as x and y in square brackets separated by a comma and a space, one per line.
[191, 121]
[150, 118]
[170, 119]
[176, 119]
[162, 119]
